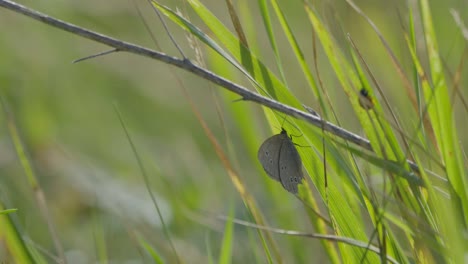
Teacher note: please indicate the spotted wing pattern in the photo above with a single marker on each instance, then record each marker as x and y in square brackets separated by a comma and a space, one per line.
[269, 155]
[281, 161]
[290, 166]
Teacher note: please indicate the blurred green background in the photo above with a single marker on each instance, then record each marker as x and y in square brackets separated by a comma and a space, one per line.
[93, 185]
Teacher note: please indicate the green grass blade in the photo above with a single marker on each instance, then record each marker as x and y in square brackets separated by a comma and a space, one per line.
[147, 185]
[151, 251]
[13, 241]
[271, 36]
[186, 25]
[8, 211]
[274, 87]
[228, 238]
[440, 110]
[99, 239]
[380, 135]
[297, 52]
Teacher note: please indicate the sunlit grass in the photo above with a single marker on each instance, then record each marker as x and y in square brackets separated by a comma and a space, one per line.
[204, 191]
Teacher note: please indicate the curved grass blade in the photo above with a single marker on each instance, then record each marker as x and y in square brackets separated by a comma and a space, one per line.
[13, 241]
[151, 251]
[147, 184]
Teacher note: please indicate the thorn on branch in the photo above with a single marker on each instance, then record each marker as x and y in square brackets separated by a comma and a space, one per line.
[96, 55]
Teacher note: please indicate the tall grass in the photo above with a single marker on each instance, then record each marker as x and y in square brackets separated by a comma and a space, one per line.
[356, 205]
[408, 219]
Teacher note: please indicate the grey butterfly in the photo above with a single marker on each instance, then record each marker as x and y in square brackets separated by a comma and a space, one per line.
[281, 161]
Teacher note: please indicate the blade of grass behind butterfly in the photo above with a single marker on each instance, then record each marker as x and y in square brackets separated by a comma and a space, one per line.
[274, 120]
[303, 64]
[272, 83]
[301, 60]
[227, 37]
[305, 193]
[242, 116]
[224, 34]
[247, 198]
[313, 164]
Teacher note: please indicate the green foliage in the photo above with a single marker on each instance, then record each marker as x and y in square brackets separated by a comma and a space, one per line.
[79, 170]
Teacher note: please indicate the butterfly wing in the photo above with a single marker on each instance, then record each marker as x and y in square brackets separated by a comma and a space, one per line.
[269, 154]
[290, 166]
